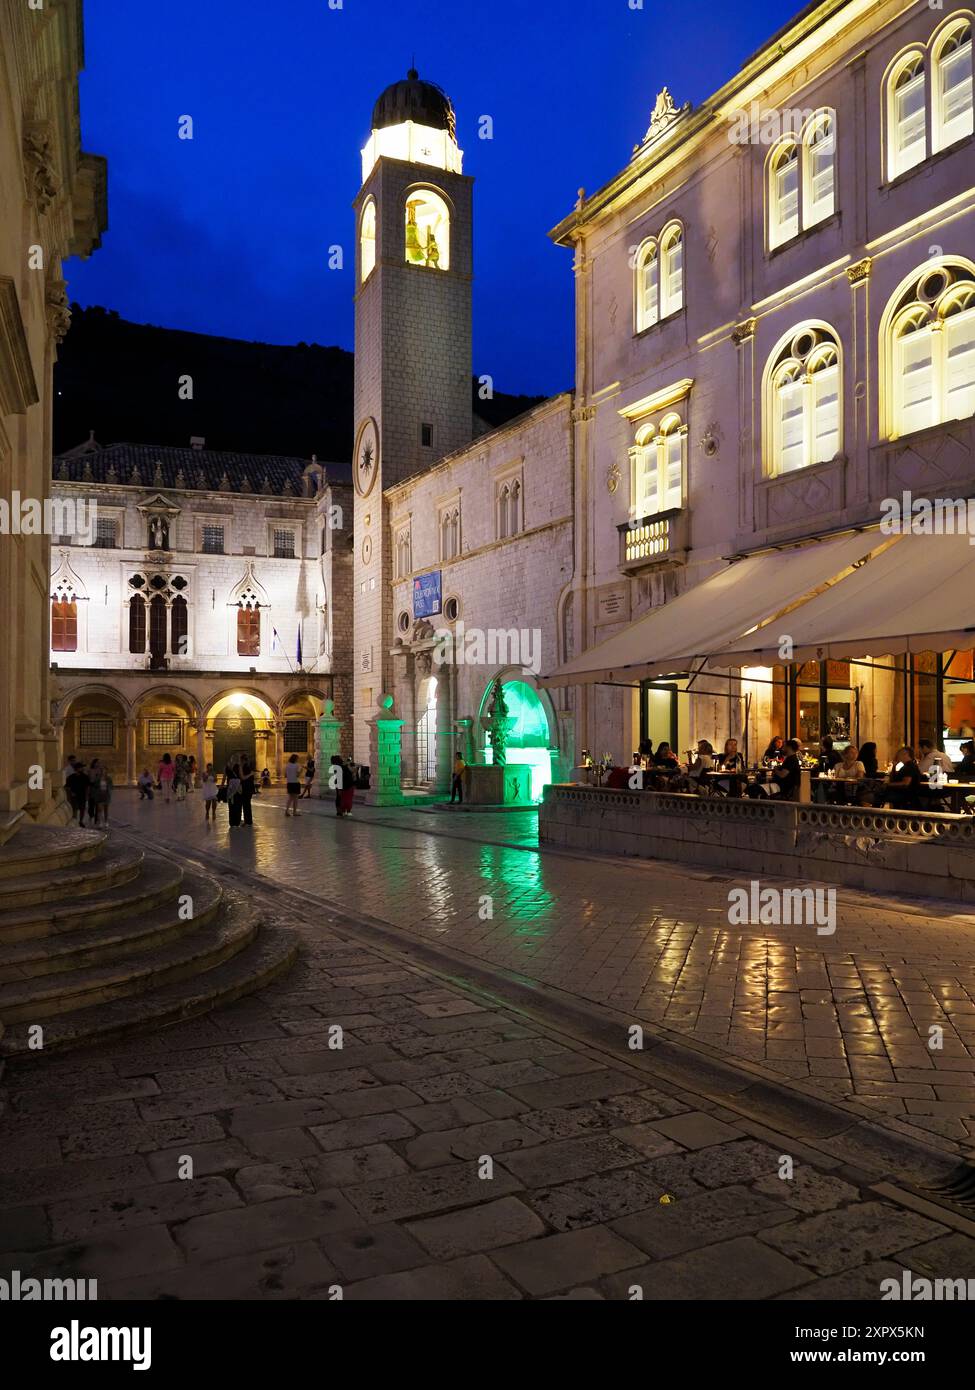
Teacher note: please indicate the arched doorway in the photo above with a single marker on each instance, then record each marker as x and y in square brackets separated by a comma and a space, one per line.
[426, 732]
[530, 737]
[239, 726]
[233, 739]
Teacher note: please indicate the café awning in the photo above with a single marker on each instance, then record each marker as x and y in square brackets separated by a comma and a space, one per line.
[916, 596]
[715, 613]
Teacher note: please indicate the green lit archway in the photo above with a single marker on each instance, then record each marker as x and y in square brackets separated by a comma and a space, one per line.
[530, 737]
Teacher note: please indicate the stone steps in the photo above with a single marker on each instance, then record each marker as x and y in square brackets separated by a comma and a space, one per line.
[273, 952]
[36, 999]
[39, 849]
[93, 941]
[159, 882]
[42, 886]
[117, 938]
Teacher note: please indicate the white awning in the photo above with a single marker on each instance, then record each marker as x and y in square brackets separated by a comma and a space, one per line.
[916, 596]
[680, 634]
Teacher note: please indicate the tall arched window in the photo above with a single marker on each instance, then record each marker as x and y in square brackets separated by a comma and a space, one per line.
[514, 508]
[930, 350]
[672, 270]
[784, 193]
[803, 410]
[178, 626]
[450, 533]
[248, 624]
[64, 625]
[657, 461]
[427, 230]
[906, 115]
[819, 174]
[647, 286]
[137, 624]
[367, 241]
[952, 88]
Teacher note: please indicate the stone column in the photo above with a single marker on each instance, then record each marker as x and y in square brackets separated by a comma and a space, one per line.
[131, 727]
[445, 730]
[201, 751]
[329, 743]
[465, 737]
[278, 750]
[385, 738]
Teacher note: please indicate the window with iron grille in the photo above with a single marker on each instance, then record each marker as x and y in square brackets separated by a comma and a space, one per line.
[106, 532]
[96, 733]
[296, 736]
[213, 540]
[284, 545]
[164, 733]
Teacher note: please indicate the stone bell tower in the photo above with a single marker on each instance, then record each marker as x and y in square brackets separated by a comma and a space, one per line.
[412, 343]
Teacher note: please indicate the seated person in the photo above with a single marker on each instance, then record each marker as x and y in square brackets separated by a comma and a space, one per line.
[702, 763]
[775, 752]
[903, 788]
[965, 770]
[868, 756]
[783, 782]
[666, 760]
[828, 756]
[731, 761]
[929, 756]
[850, 771]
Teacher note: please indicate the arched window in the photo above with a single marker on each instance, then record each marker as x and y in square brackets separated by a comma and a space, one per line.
[952, 88]
[819, 174]
[930, 350]
[672, 270]
[450, 533]
[137, 624]
[906, 115]
[248, 624]
[657, 459]
[404, 553]
[178, 626]
[367, 241]
[514, 509]
[64, 625]
[803, 414]
[784, 193]
[647, 286]
[427, 230]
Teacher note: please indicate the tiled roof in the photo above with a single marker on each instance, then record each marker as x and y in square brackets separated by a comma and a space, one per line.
[150, 465]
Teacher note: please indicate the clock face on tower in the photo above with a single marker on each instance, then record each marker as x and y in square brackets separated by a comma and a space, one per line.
[366, 460]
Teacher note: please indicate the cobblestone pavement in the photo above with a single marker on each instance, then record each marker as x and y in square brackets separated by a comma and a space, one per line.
[846, 1015]
[453, 1147]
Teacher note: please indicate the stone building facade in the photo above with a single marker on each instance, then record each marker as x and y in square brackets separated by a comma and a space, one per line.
[52, 205]
[204, 609]
[775, 332]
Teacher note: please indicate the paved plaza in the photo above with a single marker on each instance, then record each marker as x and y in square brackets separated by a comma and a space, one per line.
[463, 1143]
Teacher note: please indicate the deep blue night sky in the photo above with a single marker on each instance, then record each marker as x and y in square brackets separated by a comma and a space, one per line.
[229, 233]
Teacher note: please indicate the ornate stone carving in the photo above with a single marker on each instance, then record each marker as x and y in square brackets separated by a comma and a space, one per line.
[40, 176]
[662, 117]
[58, 309]
[584, 412]
[423, 662]
[614, 476]
[860, 271]
[711, 440]
[743, 331]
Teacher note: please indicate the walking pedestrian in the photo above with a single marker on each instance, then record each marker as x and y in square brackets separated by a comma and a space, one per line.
[234, 797]
[165, 775]
[336, 780]
[348, 789]
[145, 785]
[247, 788]
[101, 795]
[456, 781]
[67, 770]
[94, 773]
[309, 778]
[292, 776]
[209, 794]
[77, 789]
[179, 777]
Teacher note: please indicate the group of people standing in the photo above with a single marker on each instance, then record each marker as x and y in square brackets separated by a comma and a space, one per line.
[88, 788]
[174, 778]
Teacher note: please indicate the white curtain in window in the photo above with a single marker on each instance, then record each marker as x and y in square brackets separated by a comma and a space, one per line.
[909, 118]
[954, 87]
[650, 289]
[819, 200]
[673, 448]
[785, 196]
[959, 339]
[673, 273]
[825, 382]
[915, 380]
[649, 499]
[790, 400]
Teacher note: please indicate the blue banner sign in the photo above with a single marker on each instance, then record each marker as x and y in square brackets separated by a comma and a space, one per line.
[426, 595]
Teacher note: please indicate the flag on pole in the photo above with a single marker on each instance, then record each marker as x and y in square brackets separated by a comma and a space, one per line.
[298, 653]
[275, 640]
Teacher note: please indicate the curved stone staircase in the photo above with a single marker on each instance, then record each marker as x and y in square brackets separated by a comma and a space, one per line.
[98, 940]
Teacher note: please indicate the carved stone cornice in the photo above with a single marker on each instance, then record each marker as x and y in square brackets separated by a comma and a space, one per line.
[743, 331]
[584, 412]
[57, 308]
[40, 169]
[859, 272]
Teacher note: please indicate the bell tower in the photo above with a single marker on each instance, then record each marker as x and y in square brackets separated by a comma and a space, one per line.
[412, 343]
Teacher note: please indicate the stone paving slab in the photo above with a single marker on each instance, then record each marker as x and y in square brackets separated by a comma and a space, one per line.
[584, 1182]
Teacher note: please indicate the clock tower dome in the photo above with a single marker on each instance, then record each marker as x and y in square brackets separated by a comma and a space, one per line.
[412, 343]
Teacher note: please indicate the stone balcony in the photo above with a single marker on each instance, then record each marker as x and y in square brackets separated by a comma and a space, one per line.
[660, 539]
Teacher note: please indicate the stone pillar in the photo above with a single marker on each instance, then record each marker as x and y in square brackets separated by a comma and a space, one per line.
[385, 738]
[465, 737]
[445, 730]
[329, 743]
[278, 750]
[131, 773]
